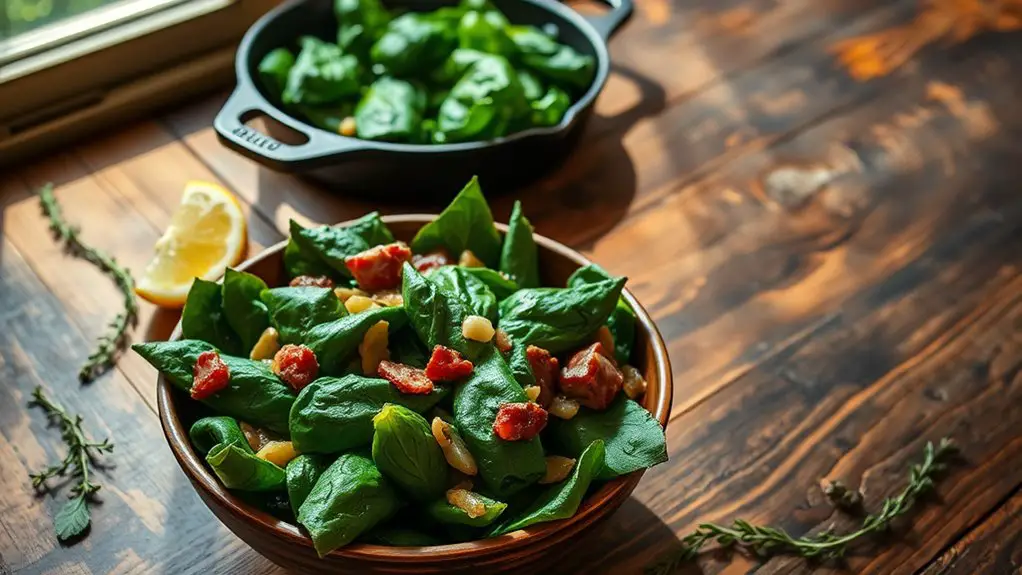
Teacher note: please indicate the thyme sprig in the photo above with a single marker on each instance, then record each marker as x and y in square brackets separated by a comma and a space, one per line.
[767, 541]
[109, 345]
[82, 454]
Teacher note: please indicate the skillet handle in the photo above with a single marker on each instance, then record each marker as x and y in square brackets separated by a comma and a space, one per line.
[608, 24]
[244, 102]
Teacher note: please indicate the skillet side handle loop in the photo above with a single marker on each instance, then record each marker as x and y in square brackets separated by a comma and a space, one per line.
[245, 102]
[608, 24]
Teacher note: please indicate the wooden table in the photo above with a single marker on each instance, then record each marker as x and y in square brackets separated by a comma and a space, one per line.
[837, 266]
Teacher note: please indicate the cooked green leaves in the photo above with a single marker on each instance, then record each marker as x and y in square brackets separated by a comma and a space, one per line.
[437, 314]
[465, 224]
[204, 318]
[293, 311]
[336, 342]
[405, 451]
[519, 258]
[245, 312]
[301, 475]
[227, 452]
[334, 414]
[322, 250]
[456, 74]
[456, 280]
[633, 439]
[350, 498]
[621, 321]
[559, 319]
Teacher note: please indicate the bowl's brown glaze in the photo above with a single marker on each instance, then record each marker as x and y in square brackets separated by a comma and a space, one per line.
[286, 545]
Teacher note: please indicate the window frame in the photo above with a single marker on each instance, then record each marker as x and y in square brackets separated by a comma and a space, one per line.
[125, 69]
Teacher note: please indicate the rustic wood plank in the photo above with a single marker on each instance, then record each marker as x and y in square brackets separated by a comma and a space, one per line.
[150, 517]
[994, 546]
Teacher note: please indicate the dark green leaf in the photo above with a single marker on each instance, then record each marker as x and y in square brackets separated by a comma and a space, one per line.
[466, 224]
[483, 104]
[299, 261]
[360, 24]
[561, 501]
[501, 286]
[406, 348]
[351, 497]
[436, 314]
[634, 440]
[566, 66]
[505, 466]
[519, 258]
[295, 310]
[485, 31]
[203, 317]
[209, 432]
[443, 512]
[332, 414]
[322, 74]
[72, 519]
[239, 468]
[548, 110]
[454, 280]
[391, 111]
[274, 69]
[559, 319]
[531, 85]
[530, 40]
[330, 245]
[301, 475]
[621, 322]
[454, 68]
[245, 312]
[336, 342]
[520, 366]
[406, 452]
[254, 394]
[413, 44]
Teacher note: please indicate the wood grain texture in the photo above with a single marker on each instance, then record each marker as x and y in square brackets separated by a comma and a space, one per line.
[836, 266]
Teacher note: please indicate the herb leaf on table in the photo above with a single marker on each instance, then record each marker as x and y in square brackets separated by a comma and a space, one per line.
[73, 518]
[110, 344]
[767, 541]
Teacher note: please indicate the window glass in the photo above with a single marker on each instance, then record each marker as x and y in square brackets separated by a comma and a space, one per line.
[21, 16]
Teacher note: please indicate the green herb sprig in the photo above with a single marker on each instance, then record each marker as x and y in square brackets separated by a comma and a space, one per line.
[73, 518]
[113, 341]
[765, 541]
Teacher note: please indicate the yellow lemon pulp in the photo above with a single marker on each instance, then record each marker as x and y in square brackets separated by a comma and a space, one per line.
[205, 236]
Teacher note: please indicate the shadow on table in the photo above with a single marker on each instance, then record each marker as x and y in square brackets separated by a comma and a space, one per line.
[627, 542]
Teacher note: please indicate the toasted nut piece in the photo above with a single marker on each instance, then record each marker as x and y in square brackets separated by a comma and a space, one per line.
[557, 469]
[503, 341]
[277, 452]
[563, 407]
[634, 384]
[389, 298]
[266, 346]
[455, 451]
[606, 339]
[477, 328]
[357, 303]
[532, 392]
[373, 348]
[255, 436]
[343, 293]
[348, 127]
[469, 260]
[467, 501]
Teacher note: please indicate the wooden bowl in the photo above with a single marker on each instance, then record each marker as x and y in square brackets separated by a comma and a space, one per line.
[286, 545]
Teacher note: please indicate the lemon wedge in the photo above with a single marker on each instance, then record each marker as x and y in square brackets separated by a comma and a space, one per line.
[206, 235]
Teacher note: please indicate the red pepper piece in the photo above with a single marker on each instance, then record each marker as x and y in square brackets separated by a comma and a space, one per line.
[519, 421]
[446, 364]
[432, 260]
[591, 378]
[295, 365]
[209, 375]
[406, 379]
[379, 268]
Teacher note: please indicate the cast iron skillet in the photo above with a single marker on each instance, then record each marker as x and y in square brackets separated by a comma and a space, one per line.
[432, 172]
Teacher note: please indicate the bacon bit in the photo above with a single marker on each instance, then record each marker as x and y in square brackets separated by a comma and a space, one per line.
[503, 341]
[446, 364]
[519, 421]
[312, 281]
[591, 378]
[406, 379]
[431, 260]
[379, 268]
[544, 368]
[210, 375]
[296, 365]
